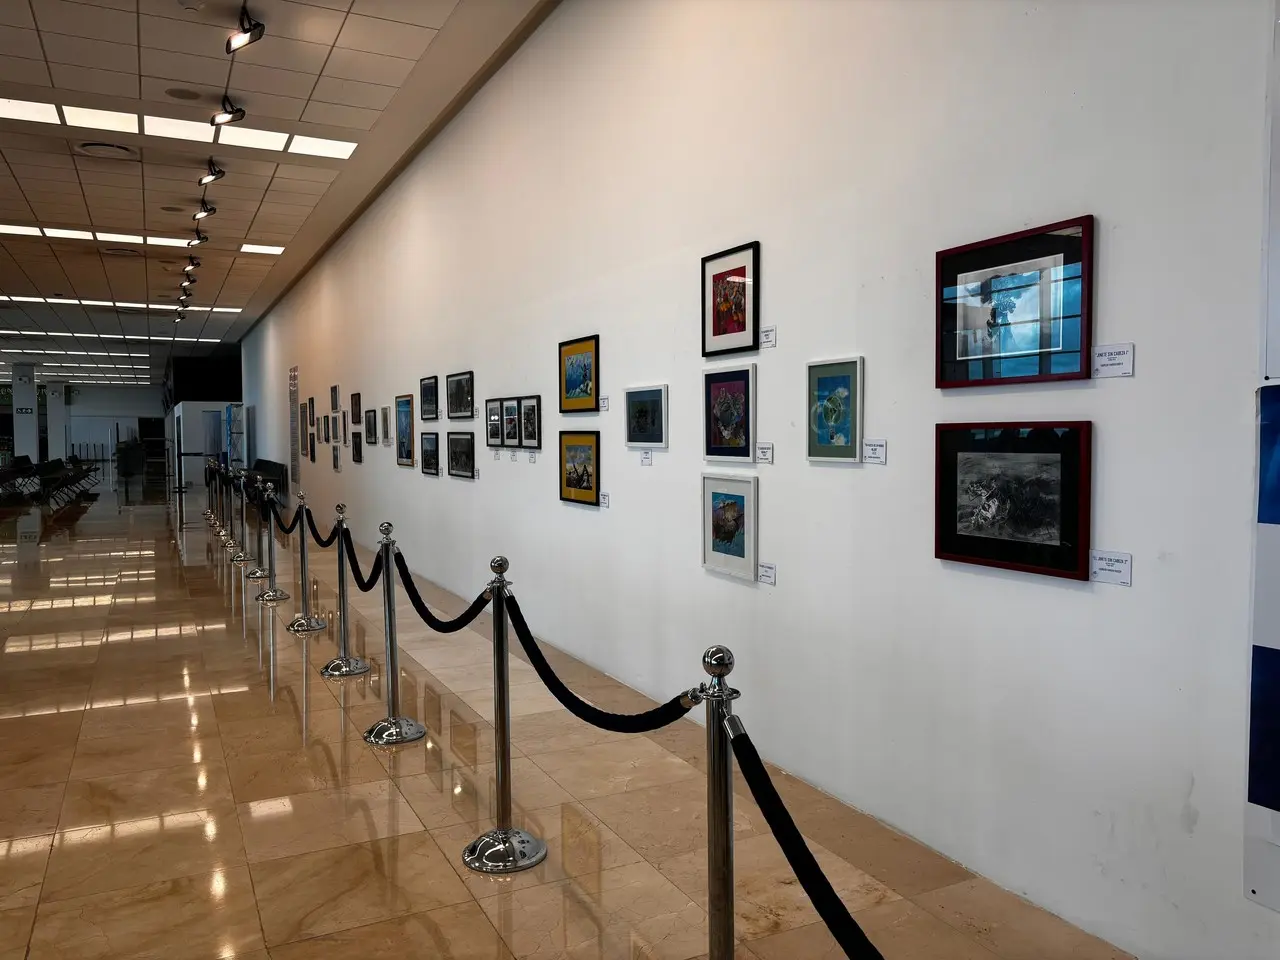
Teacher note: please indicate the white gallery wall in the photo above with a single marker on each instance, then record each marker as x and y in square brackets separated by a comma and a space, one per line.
[1081, 744]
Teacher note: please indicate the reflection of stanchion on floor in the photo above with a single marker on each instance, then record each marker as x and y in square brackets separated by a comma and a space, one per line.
[344, 664]
[719, 697]
[393, 728]
[272, 594]
[304, 622]
[504, 849]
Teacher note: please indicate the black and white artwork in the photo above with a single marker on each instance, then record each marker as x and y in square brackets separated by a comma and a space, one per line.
[460, 394]
[1010, 496]
[462, 455]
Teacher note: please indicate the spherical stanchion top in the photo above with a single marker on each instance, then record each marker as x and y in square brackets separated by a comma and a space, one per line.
[271, 488]
[718, 661]
[499, 565]
[341, 509]
[302, 495]
[385, 528]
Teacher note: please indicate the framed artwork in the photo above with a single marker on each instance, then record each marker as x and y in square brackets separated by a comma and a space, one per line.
[311, 412]
[385, 418]
[357, 447]
[371, 427]
[355, 407]
[346, 430]
[835, 410]
[324, 421]
[460, 393]
[333, 398]
[511, 422]
[429, 398]
[729, 529]
[531, 422]
[462, 455]
[431, 454]
[646, 409]
[729, 414]
[580, 375]
[493, 423]
[337, 458]
[1017, 308]
[311, 445]
[1015, 495]
[580, 466]
[731, 300]
[404, 430]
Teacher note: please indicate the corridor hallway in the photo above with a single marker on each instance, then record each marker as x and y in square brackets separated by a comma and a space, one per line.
[177, 781]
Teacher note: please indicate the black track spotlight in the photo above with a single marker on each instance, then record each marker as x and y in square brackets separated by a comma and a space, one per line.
[192, 264]
[250, 31]
[215, 173]
[229, 113]
[206, 210]
[187, 281]
[198, 239]
[179, 316]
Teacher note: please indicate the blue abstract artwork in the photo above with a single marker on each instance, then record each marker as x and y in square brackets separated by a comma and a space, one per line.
[728, 524]
[1269, 455]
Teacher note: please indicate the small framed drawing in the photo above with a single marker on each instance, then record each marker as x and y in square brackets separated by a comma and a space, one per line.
[429, 398]
[431, 454]
[835, 410]
[355, 408]
[311, 445]
[357, 447]
[324, 423]
[647, 416]
[462, 455]
[1017, 308]
[384, 417]
[333, 398]
[337, 458]
[346, 430]
[404, 430]
[460, 392]
[729, 414]
[1015, 495]
[511, 422]
[311, 412]
[371, 427]
[580, 466]
[729, 531]
[531, 422]
[731, 300]
[580, 375]
[493, 423]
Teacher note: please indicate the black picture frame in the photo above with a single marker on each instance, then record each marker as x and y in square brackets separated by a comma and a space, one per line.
[461, 453]
[356, 411]
[311, 412]
[460, 395]
[429, 447]
[493, 422]
[337, 458]
[357, 447]
[1015, 495]
[721, 276]
[581, 392]
[371, 427]
[580, 479]
[429, 398]
[334, 403]
[531, 422]
[311, 445]
[325, 421]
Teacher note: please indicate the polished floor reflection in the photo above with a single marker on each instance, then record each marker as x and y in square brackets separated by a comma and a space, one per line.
[178, 781]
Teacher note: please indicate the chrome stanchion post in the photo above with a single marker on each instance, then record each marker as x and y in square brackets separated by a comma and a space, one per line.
[241, 556]
[272, 594]
[259, 573]
[504, 849]
[343, 665]
[719, 696]
[208, 490]
[304, 622]
[231, 544]
[393, 728]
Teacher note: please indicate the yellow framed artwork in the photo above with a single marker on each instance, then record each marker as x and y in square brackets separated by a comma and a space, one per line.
[580, 466]
[580, 375]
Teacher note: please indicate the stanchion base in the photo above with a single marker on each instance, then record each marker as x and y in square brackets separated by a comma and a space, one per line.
[341, 667]
[301, 624]
[241, 558]
[231, 544]
[393, 730]
[257, 575]
[270, 597]
[504, 851]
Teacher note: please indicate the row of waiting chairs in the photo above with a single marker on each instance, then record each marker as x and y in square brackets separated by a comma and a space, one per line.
[53, 482]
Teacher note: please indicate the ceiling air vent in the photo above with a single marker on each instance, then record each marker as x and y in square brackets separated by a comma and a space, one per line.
[106, 151]
[120, 252]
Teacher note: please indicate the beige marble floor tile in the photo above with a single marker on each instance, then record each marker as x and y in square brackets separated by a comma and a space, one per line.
[246, 738]
[287, 826]
[626, 912]
[441, 654]
[15, 928]
[479, 676]
[462, 795]
[192, 918]
[128, 853]
[195, 715]
[1011, 927]
[618, 767]
[319, 765]
[349, 886]
[767, 897]
[24, 702]
[30, 811]
[133, 796]
[50, 730]
[108, 756]
[578, 844]
[22, 866]
[32, 764]
[288, 699]
[555, 730]
[666, 821]
[526, 698]
[459, 932]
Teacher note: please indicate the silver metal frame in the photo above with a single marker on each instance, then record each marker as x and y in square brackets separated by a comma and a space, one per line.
[304, 622]
[343, 665]
[392, 729]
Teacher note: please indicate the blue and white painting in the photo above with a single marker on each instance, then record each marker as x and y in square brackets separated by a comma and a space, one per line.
[728, 524]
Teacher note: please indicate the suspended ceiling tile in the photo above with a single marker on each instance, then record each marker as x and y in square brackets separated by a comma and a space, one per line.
[90, 80]
[341, 5]
[300, 172]
[79, 20]
[86, 52]
[31, 72]
[50, 172]
[19, 42]
[260, 79]
[384, 37]
[298, 21]
[297, 188]
[110, 179]
[176, 65]
[278, 195]
[335, 115]
[38, 158]
[163, 33]
[367, 67]
[423, 13]
[286, 54]
[33, 143]
[130, 5]
[352, 93]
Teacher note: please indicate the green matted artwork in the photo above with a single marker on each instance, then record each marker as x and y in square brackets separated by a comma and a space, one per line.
[835, 410]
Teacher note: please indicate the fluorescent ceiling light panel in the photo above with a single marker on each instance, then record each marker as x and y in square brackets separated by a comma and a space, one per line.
[101, 119]
[207, 340]
[28, 299]
[320, 147]
[226, 309]
[29, 110]
[166, 242]
[177, 129]
[52, 300]
[95, 303]
[238, 136]
[260, 248]
[68, 234]
[162, 306]
[135, 306]
[20, 231]
[119, 238]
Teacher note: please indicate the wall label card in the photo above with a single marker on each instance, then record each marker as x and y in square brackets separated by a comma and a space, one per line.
[476, 474]
[604, 501]
[764, 453]
[513, 456]
[1107, 566]
[767, 573]
[533, 457]
[768, 337]
[1113, 360]
[604, 403]
[497, 454]
[646, 458]
[875, 451]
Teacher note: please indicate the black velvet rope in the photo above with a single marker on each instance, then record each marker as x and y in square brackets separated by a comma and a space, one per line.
[292, 525]
[825, 900]
[660, 716]
[364, 586]
[322, 542]
[429, 618]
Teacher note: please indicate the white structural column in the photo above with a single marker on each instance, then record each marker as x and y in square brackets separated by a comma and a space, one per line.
[26, 426]
[56, 419]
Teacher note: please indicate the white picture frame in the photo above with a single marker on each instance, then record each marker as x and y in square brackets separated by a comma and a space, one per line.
[635, 438]
[719, 553]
